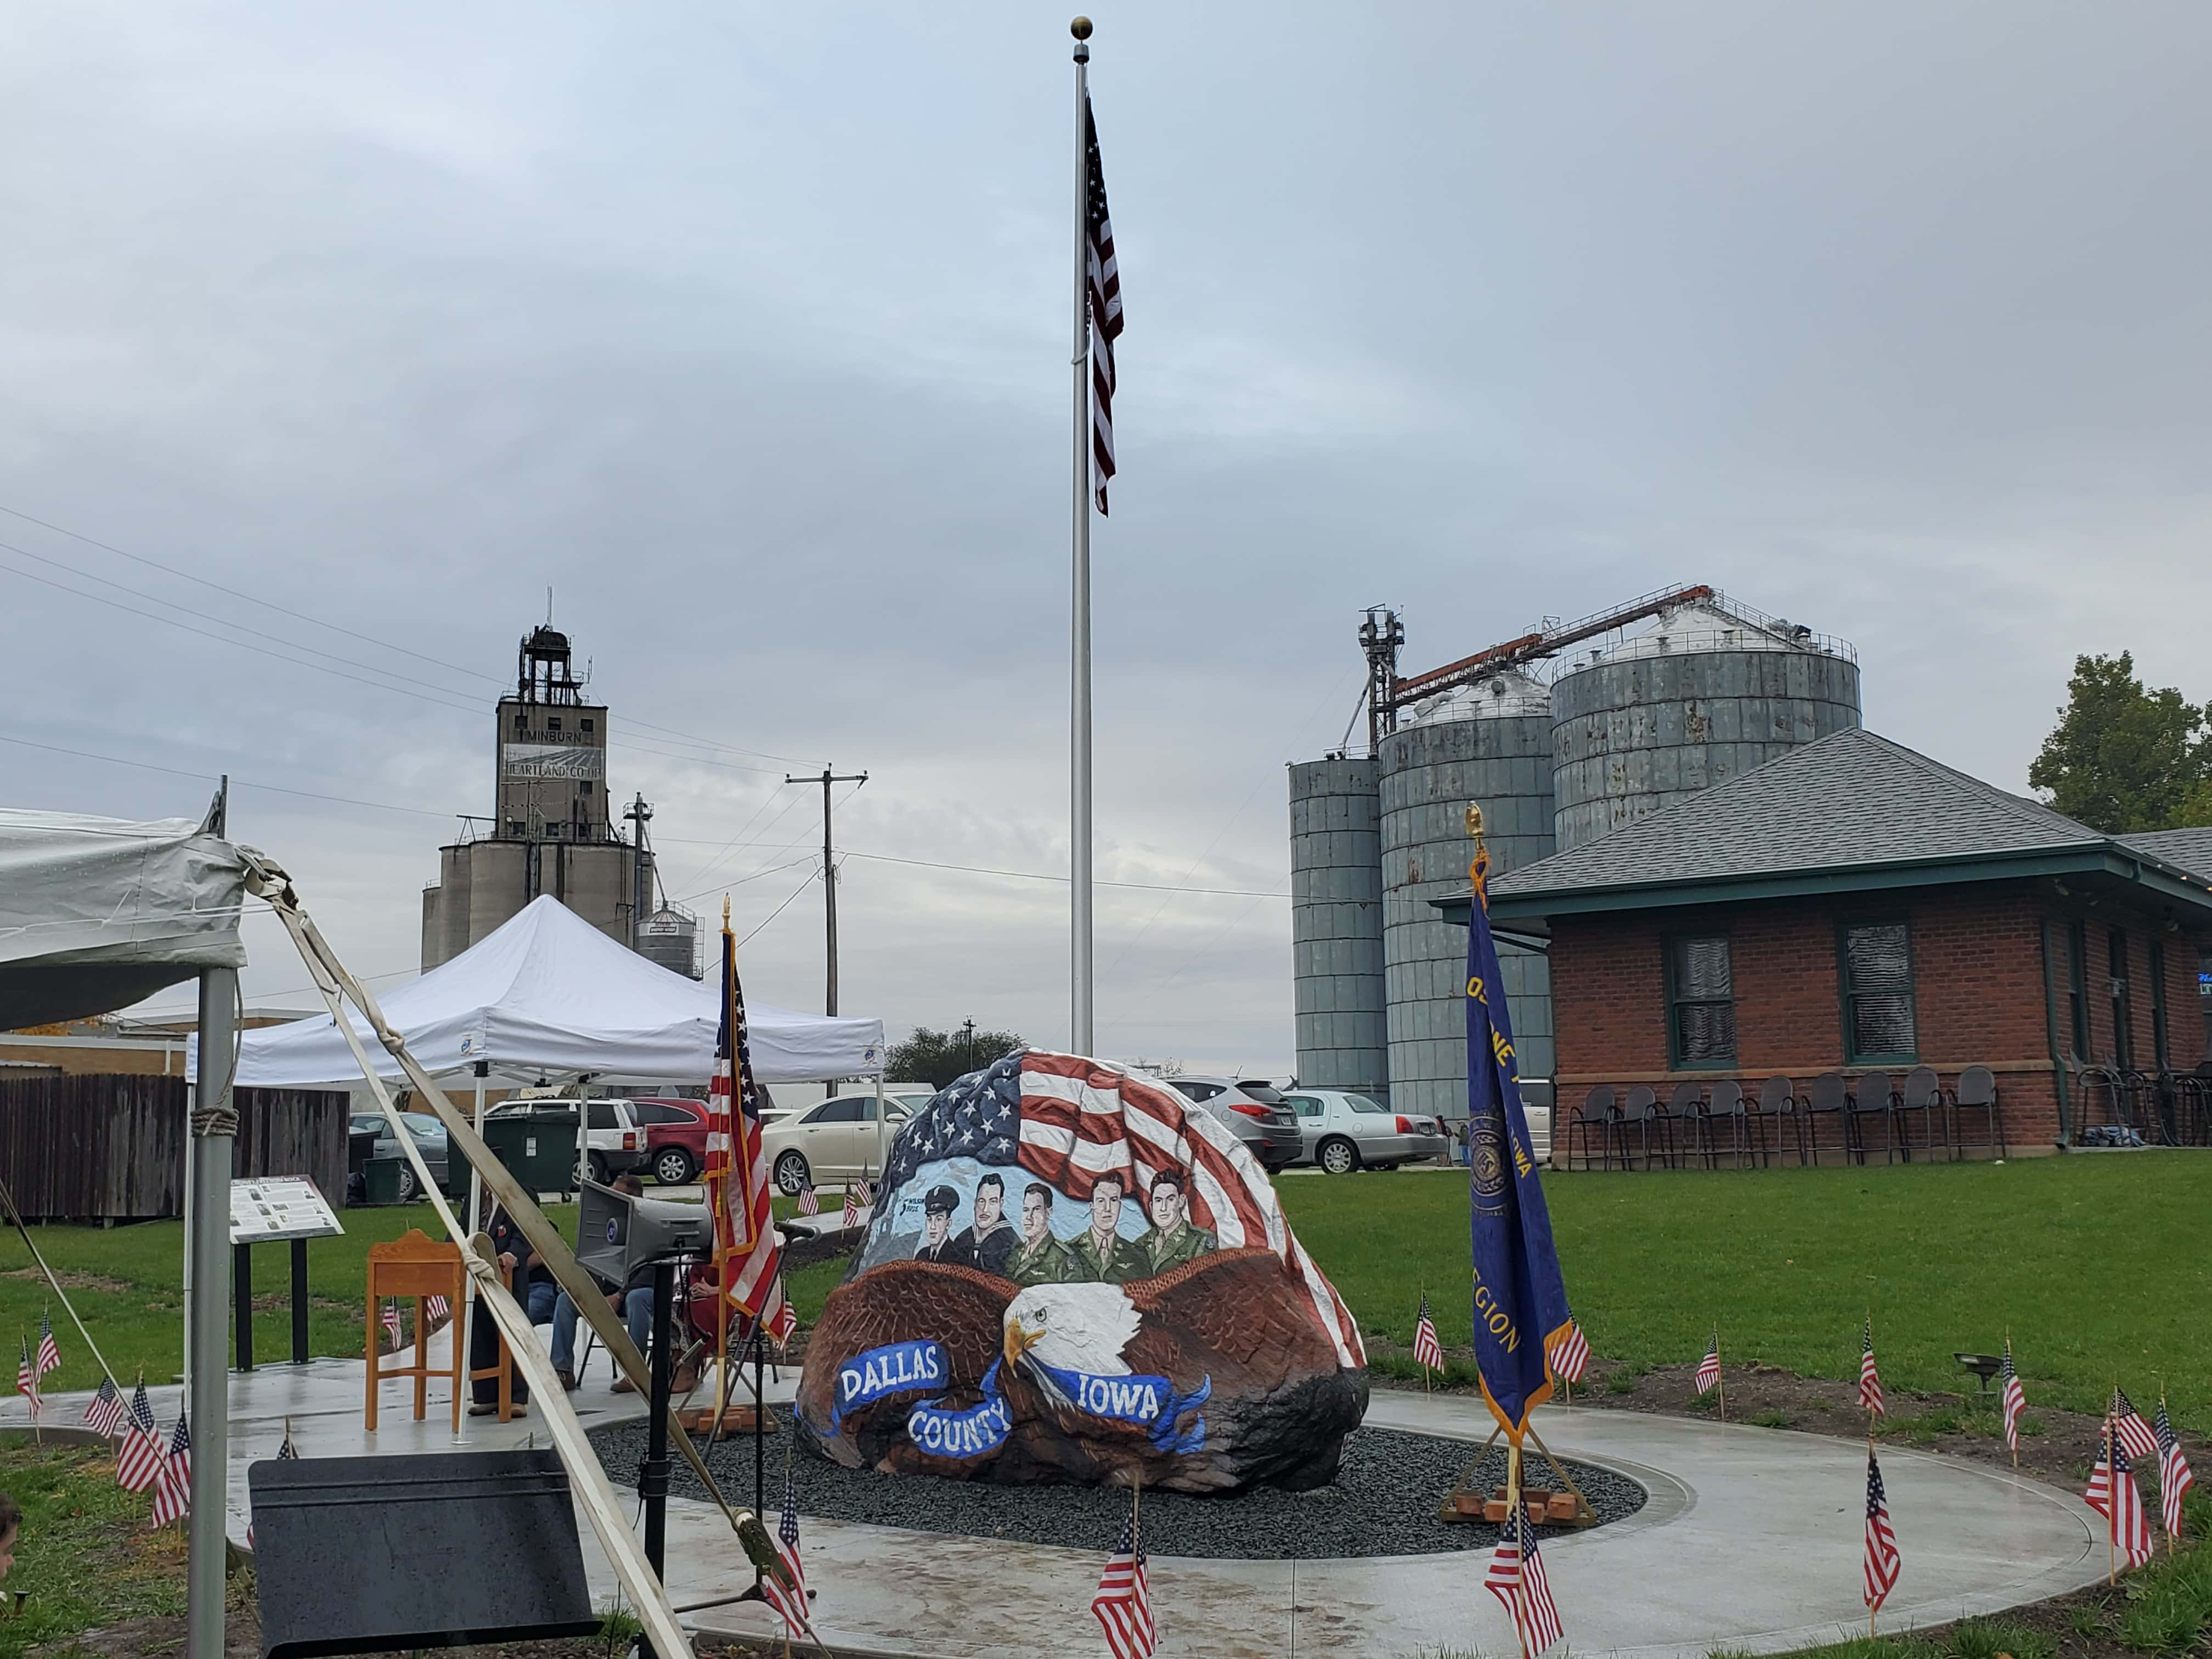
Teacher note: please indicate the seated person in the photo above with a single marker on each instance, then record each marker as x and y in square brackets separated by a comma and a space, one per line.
[533, 1283]
[633, 1302]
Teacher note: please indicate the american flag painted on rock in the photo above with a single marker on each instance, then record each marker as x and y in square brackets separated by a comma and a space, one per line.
[1072, 1121]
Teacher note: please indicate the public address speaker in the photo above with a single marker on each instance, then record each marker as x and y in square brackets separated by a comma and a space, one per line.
[616, 1234]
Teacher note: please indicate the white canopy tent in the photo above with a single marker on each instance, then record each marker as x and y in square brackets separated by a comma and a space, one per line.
[97, 914]
[549, 995]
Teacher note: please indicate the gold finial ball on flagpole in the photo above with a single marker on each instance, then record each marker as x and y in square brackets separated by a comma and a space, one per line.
[1081, 28]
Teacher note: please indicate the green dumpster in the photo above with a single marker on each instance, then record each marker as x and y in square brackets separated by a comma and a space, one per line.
[382, 1180]
[537, 1147]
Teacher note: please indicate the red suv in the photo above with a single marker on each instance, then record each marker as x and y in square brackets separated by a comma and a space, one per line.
[675, 1137]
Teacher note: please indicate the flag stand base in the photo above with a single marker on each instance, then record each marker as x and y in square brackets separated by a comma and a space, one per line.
[1469, 1502]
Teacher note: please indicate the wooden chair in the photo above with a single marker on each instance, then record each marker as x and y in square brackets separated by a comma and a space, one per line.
[415, 1265]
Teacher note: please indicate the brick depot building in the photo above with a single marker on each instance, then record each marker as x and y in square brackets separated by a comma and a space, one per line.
[1856, 907]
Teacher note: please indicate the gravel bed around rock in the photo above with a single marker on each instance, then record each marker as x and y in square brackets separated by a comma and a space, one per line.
[1384, 1501]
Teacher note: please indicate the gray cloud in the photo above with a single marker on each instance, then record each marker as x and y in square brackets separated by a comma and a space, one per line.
[745, 328]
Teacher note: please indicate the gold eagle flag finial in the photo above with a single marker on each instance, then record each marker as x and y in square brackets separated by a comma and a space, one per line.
[1478, 872]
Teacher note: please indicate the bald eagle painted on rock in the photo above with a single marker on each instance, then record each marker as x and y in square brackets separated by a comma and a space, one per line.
[1233, 1331]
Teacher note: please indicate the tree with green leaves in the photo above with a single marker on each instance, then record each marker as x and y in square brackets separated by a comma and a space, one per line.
[938, 1057]
[2123, 759]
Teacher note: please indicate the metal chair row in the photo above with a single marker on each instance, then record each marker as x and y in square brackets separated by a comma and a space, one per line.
[1711, 1121]
[2166, 1109]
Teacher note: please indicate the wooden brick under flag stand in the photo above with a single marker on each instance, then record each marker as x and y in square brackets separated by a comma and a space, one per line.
[414, 1265]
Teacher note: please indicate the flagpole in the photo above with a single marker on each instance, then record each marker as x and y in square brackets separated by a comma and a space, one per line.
[713, 1220]
[1720, 1375]
[1079, 1037]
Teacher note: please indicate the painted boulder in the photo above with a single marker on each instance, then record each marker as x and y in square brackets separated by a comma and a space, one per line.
[1073, 1274]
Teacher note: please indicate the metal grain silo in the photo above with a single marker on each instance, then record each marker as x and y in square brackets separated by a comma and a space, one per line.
[1703, 693]
[1336, 926]
[1488, 743]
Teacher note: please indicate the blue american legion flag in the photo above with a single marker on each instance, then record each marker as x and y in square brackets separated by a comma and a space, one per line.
[1520, 1299]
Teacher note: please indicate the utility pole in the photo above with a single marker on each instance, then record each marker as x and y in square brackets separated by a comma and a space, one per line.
[829, 870]
[970, 1029]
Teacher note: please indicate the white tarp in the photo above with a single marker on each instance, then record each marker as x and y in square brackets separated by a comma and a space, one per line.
[549, 993]
[97, 914]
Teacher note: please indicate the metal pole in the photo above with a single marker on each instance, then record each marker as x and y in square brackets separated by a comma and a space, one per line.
[215, 1133]
[1079, 746]
[241, 1272]
[299, 1302]
[653, 1479]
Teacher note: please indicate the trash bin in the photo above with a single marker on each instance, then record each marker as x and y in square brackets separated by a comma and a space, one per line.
[537, 1147]
[380, 1179]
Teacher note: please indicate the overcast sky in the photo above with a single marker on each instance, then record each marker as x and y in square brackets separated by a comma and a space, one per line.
[745, 328]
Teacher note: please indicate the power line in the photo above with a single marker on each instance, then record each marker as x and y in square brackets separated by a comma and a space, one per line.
[774, 914]
[1034, 875]
[236, 782]
[317, 621]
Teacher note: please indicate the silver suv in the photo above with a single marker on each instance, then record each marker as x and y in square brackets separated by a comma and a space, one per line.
[1254, 1112]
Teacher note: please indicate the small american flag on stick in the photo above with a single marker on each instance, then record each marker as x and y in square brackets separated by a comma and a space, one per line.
[809, 1204]
[138, 1465]
[1870, 1378]
[1103, 285]
[2113, 1494]
[26, 1380]
[438, 1309]
[1428, 1352]
[1123, 1605]
[103, 1413]
[1570, 1353]
[1517, 1579]
[392, 1327]
[2174, 1479]
[1709, 1369]
[49, 1354]
[1881, 1559]
[789, 1600]
[173, 1492]
[2127, 1422]
[2012, 1400]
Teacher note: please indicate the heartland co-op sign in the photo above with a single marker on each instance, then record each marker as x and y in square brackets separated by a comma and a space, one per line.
[527, 760]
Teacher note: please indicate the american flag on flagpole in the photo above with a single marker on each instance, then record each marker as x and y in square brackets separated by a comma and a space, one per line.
[1102, 283]
[1869, 1378]
[2135, 1434]
[1570, 1353]
[2012, 1399]
[789, 1600]
[26, 1380]
[1070, 1121]
[1709, 1368]
[1123, 1605]
[737, 1164]
[1427, 1351]
[1517, 1579]
[103, 1413]
[172, 1492]
[809, 1203]
[49, 1354]
[138, 1465]
[2174, 1479]
[1881, 1559]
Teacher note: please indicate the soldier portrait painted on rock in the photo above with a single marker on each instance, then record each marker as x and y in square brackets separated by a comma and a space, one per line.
[1172, 1240]
[938, 1243]
[1099, 1252]
[989, 1239]
[1039, 1258]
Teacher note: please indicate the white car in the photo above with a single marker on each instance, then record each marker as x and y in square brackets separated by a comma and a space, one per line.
[836, 1140]
[1346, 1132]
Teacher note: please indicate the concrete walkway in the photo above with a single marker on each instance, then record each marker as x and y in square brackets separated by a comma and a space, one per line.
[1751, 1540]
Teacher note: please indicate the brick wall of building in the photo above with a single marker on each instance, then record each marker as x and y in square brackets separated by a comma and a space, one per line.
[1978, 989]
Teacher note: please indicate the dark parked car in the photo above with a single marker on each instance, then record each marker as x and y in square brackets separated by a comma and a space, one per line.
[1254, 1113]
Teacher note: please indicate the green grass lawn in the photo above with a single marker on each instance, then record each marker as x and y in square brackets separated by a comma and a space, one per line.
[2095, 1264]
[86, 1556]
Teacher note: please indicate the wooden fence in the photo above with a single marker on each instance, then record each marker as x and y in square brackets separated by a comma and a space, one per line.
[107, 1147]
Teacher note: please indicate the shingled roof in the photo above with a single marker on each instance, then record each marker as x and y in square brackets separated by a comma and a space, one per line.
[1853, 810]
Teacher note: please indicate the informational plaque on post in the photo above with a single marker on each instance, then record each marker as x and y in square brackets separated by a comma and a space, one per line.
[279, 1207]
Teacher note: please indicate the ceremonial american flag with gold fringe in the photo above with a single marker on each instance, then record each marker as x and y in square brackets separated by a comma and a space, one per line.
[736, 1165]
